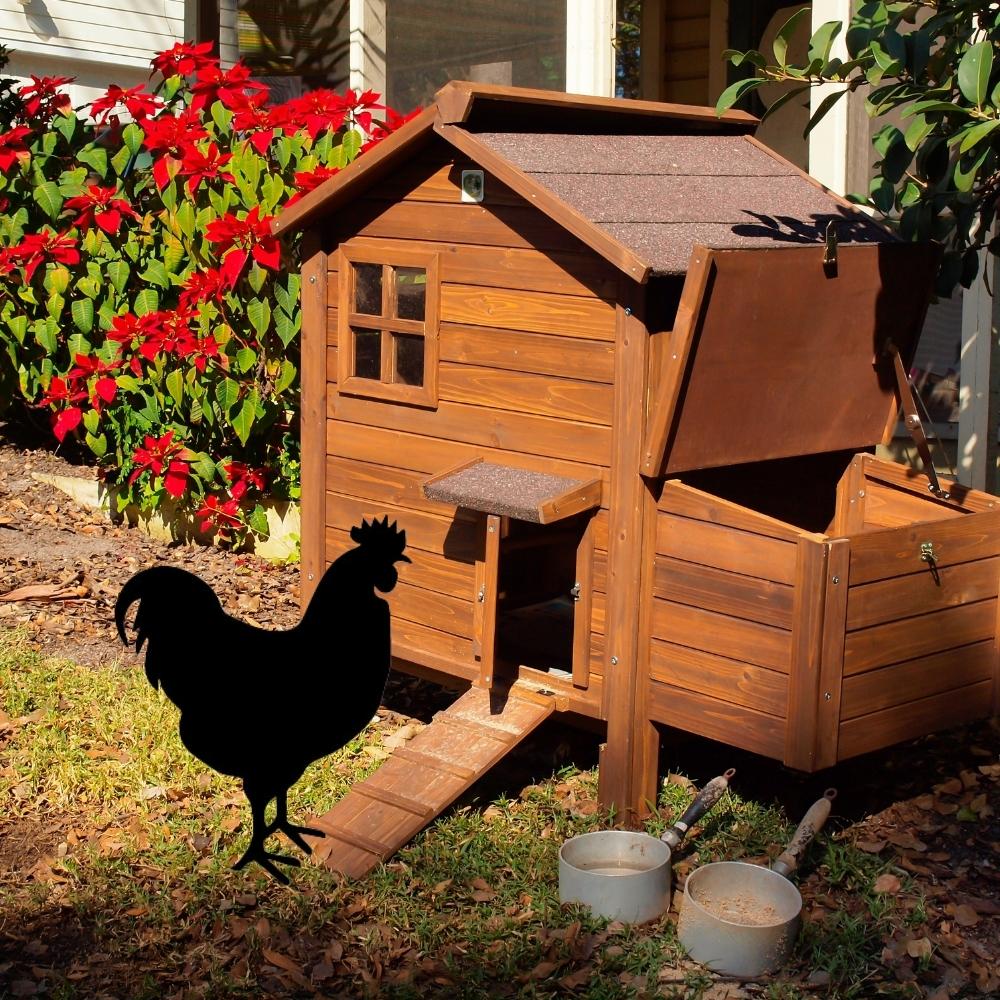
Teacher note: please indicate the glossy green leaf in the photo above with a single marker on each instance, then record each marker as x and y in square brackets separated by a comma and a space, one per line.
[246, 417]
[82, 311]
[48, 198]
[227, 394]
[259, 314]
[258, 521]
[974, 72]
[94, 157]
[285, 377]
[246, 358]
[175, 386]
[147, 301]
[977, 133]
[118, 272]
[735, 92]
[98, 445]
[785, 33]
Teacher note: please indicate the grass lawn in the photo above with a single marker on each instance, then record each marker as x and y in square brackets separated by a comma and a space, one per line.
[133, 897]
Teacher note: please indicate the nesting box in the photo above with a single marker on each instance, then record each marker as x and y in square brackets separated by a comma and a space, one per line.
[618, 370]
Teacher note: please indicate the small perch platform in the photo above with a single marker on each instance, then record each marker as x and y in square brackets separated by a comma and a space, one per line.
[508, 491]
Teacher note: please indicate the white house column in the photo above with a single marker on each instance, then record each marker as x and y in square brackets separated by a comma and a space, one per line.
[828, 140]
[590, 49]
[368, 45]
[978, 333]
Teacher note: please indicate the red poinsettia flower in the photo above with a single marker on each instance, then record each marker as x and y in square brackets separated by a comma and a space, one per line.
[202, 285]
[360, 105]
[42, 97]
[12, 146]
[104, 387]
[183, 59]
[161, 456]
[7, 263]
[135, 100]
[100, 205]
[37, 248]
[199, 165]
[216, 514]
[63, 396]
[239, 239]
[315, 111]
[172, 136]
[308, 180]
[229, 86]
[242, 477]
[252, 116]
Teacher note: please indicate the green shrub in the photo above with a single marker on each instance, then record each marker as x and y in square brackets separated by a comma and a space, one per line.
[144, 303]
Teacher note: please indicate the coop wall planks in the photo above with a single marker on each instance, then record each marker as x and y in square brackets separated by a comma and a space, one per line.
[925, 715]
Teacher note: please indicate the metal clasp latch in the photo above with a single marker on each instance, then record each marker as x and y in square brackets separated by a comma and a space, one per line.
[574, 591]
[481, 596]
[928, 556]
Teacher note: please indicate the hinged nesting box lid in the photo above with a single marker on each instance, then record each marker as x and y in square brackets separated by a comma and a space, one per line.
[775, 353]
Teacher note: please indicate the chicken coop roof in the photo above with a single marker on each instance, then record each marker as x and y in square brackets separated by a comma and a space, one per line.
[660, 195]
[638, 182]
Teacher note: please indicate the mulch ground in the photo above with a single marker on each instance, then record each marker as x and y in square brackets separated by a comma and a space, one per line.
[932, 805]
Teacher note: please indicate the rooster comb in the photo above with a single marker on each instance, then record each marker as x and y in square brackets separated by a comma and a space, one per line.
[381, 536]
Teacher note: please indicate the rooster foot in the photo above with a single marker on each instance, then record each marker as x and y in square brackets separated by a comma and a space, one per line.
[295, 833]
[256, 852]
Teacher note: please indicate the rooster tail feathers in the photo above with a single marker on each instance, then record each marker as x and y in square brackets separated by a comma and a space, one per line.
[130, 593]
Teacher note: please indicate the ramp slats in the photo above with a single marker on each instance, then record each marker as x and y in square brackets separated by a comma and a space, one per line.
[419, 780]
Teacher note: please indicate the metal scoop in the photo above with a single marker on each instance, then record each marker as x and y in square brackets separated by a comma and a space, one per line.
[741, 919]
[625, 875]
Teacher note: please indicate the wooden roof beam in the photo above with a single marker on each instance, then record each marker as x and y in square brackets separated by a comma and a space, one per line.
[456, 100]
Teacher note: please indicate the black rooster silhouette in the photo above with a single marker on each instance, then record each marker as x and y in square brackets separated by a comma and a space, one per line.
[262, 705]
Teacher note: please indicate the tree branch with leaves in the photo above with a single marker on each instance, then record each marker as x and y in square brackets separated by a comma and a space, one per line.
[931, 66]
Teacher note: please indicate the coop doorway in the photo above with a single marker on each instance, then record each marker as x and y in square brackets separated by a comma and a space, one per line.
[537, 613]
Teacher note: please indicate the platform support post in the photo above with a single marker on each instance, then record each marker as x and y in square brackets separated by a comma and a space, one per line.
[625, 763]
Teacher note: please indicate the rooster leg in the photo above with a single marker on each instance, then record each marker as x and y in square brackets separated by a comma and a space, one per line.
[290, 830]
[256, 852]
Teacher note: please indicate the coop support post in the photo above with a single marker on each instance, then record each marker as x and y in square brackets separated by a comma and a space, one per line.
[803, 675]
[831, 666]
[312, 418]
[631, 739]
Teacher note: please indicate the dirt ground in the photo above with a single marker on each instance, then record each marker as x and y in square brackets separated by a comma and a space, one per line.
[932, 804]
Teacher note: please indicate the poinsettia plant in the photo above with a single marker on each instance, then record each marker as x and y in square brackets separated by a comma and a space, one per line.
[145, 307]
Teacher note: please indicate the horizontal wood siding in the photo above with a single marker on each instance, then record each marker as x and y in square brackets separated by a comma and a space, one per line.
[722, 643]
[525, 378]
[920, 651]
[96, 31]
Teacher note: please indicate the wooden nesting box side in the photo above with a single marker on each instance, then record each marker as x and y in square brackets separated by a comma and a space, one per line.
[920, 648]
[525, 378]
[727, 595]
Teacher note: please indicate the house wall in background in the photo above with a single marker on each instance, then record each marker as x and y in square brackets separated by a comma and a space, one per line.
[98, 42]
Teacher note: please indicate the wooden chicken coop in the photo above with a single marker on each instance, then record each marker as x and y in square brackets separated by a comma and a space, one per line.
[618, 370]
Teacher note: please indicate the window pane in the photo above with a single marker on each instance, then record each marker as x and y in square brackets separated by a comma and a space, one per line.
[368, 289]
[293, 47]
[411, 289]
[368, 354]
[409, 359]
[512, 42]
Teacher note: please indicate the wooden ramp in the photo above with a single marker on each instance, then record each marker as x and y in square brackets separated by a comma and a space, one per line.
[421, 779]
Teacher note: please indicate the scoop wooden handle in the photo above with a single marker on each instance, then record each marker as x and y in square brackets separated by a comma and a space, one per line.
[811, 824]
[704, 801]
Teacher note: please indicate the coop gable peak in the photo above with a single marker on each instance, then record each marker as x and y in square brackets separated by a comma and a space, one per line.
[640, 183]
